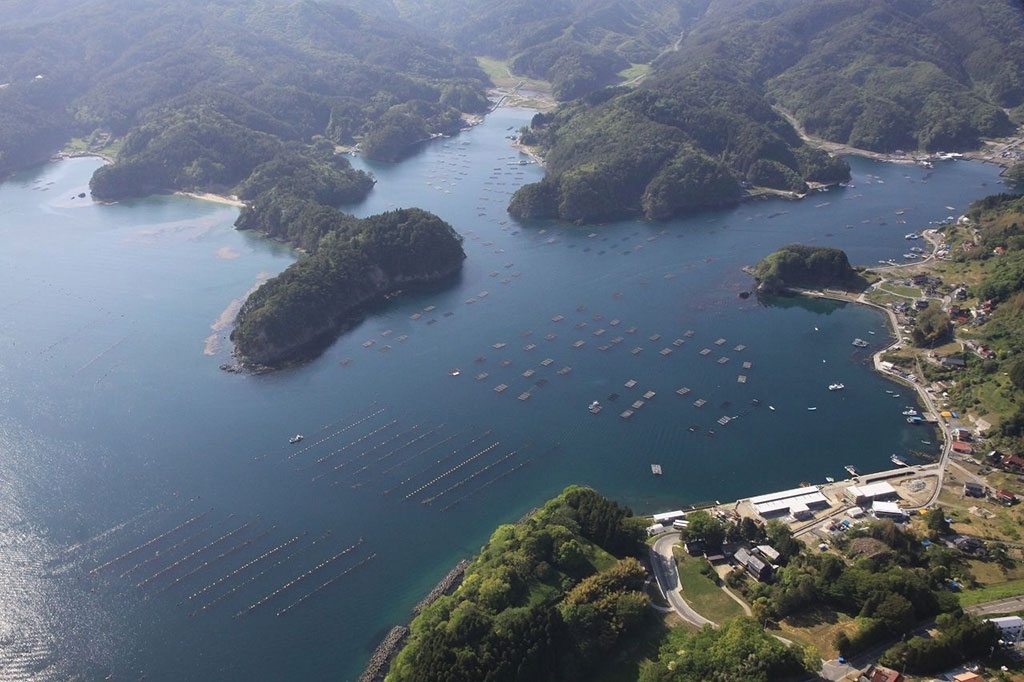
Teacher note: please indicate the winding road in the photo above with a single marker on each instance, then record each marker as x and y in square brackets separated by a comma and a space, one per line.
[664, 565]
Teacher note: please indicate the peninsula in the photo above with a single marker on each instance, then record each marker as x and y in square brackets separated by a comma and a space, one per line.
[356, 263]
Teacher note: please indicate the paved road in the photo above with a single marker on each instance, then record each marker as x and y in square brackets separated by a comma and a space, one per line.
[664, 565]
[1008, 605]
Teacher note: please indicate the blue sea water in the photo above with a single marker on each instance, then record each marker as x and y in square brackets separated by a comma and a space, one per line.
[150, 499]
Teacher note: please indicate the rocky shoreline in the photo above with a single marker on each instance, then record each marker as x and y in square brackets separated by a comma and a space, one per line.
[380, 661]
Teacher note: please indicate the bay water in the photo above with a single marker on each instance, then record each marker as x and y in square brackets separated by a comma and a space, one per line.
[156, 522]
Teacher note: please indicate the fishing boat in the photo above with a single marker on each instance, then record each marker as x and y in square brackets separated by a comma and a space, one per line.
[811, 409]
[836, 387]
[860, 343]
[898, 462]
[454, 371]
[829, 479]
[771, 407]
[850, 470]
[595, 407]
[910, 413]
[297, 438]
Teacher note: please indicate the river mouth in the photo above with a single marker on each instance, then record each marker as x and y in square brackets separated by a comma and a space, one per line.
[117, 429]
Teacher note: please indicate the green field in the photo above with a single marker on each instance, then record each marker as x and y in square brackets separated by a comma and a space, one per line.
[497, 70]
[1013, 588]
[702, 593]
[634, 71]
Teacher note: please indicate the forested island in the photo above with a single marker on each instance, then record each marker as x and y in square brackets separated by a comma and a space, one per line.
[800, 266]
[353, 263]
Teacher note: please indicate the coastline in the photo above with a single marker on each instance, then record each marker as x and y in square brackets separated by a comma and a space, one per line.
[214, 198]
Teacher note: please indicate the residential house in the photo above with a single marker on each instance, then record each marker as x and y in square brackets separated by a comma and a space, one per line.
[972, 489]
[879, 673]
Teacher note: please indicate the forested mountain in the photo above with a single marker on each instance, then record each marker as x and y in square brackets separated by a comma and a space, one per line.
[578, 45]
[220, 75]
[878, 74]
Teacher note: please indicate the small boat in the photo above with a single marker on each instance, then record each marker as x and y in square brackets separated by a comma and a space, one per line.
[454, 371]
[898, 462]
[297, 438]
[860, 343]
[910, 413]
[927, 442]
[595, 407]
[771, 407]
[836, 387]
[829, 479]
[850, 470]
[811, 409]
[872, 333]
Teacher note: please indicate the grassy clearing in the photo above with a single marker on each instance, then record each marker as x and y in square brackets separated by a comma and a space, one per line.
[704, 594]
[900, 290]
[634, 71]
[1013, 588]
[818, 628]
[497, 70]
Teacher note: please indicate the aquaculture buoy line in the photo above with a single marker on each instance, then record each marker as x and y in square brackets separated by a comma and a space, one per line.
[249, 564]
[357, 441]
[441, 460]
[422, 452]
[326, 584]
[337, 433]
[151, 542]
[193, 554]
[455, 468]
[393, 452]
[298, 579]
[485, 485]
[209, 562]
[459, 484]
[254, 578]
[169, 551]
[364, 453]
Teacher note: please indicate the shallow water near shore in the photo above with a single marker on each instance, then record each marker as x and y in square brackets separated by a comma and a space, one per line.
[120, 437]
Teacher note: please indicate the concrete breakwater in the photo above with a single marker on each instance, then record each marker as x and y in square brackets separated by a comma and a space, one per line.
[447, 585]
[380, 661]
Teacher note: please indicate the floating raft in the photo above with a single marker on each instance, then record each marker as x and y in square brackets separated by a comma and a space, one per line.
[678, 342]
[501, 388]
[579, 344]
[637, 350]
[724, 420]
[528, 373]
[505, 363]
[581, 325]
[482, 375]
[626, 414]
[700, 402]
[719, 342]
[565, 370]
[529, 346]
[631, 383]
[705, 351]
[638, 404]
[722, 360]
[599, 332]
[747, 365]
[665, 352]
[741, 379]
[739, 348]
[654, 337]
[557, 318]
[649, 395]
[550, 337]
[617, 340]
[688, 333]
[499, 345]
[524, 396]
[604, 347]
[615, 322]
[683, 391]
[656, 469]
[415, 316]
[367, 344]
[547, 362]
[631, 330]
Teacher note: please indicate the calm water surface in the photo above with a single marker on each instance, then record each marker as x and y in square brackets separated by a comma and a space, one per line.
[154, 520]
